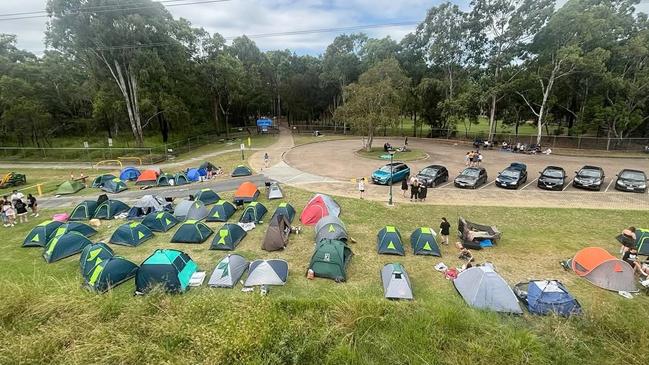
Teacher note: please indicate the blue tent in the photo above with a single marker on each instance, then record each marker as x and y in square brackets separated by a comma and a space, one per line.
[264, 122]
[193, 175]
[545, 297]
[129, 173]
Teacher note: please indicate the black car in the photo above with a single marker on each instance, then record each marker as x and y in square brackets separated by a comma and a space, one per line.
[513, 176]
[589, 177]
[552, 178]
[631, 180]
[471, 178]
[433, 175]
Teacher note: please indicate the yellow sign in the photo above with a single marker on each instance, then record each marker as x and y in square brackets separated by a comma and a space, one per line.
[249, 142]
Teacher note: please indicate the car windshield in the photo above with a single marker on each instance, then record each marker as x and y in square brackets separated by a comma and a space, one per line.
[555, 174]
[471, 172]
[429, 171]
[589, 173]
[386, 168]
[510, 173]
[633, 176]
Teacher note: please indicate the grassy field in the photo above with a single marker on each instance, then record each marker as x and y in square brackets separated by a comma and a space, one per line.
[376, 154]
[45, 317]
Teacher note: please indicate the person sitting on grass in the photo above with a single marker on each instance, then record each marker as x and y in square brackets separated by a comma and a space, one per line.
[631, 257]
[465, 254]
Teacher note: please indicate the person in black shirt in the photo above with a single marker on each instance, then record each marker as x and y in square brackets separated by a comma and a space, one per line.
[631, 257]
[445, 230]
[33, 205]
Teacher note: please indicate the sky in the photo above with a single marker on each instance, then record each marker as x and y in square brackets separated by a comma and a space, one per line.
[232, 18]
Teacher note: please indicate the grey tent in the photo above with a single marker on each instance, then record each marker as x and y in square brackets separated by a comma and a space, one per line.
[481, 287]
[147, 204]
[330, 227]
[228, 271]
[396, 283]
[190, 210]
[277, 234]
[274, 191]
[267, 272]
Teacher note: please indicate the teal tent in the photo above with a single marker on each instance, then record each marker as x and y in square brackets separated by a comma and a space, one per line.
[110, 208]
[39, 235]
[93, 254]
[254, 212]
[84, 211]
[169, 269]
[78, 227]
[423, 242]
[160, 221]
[221, 211]
[192, 231]
[64, 246]
[330, 260]
[241, 170]
[131, 234]
[389, 241]
[207, 196]
[286, 210]
[102, 179]
[109, 273]
[228, 237]
[164, 180]
[69, 187]
[114, 186]
[181, 179]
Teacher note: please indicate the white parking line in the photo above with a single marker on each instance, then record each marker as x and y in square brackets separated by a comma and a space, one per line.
[485, 185]
[567, 185]
[609, 185]
[445, 185]
[532, 182]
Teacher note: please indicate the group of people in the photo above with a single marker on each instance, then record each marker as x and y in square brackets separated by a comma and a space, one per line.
[14, 208]
[630, 254]
[473, 159]
[418, 189]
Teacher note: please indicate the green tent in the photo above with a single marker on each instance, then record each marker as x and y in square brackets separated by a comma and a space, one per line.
[84, 211]
[192, 231]
[221, 211]
[228, 237]
[160, 221]
[109, 209]
[207, 196]
[169, 269]
[69, 187]
[254, 212]
[109, 273]
[64, 246]
[241, 170]
[181, 179]
[286, 210]
[93, 254]
[389, 241]
[102, 179]
[165, 180]
[330, 260]
[78, 227]
[131, 234]
[40, 234]
[423, 242]
[114, 186]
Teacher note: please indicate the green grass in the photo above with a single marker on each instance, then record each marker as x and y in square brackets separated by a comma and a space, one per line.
[404, 127]
[376, 153]
[45, 317]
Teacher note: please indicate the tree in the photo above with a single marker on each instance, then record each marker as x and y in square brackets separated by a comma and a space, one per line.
[375, 101]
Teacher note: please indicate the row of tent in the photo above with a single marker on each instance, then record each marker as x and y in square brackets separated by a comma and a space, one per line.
[422, 240]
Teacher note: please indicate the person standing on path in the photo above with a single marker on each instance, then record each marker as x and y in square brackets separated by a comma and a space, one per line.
[414, 189]
[33, 205]
[361, 187]
[404, 186]
[266, 160]
[444, 230]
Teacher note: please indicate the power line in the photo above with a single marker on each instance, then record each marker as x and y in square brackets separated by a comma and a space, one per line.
[118, 9]
[88, 8]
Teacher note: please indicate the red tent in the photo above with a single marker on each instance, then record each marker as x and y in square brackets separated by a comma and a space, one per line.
[147, 177]
[319, 206]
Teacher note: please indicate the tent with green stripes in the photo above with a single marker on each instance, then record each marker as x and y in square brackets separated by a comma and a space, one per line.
[39, 235]
[114, 186]
[192, 231]
[65, 245]
[131, 234]
[221, 211]
[84, 211]
[180, 178]
[423, 242]
[164, 180]
[254, 213]
[109, 273]
[241, 170]
[389, 242]
[207, 196]
[100, 180]
[642, 241]
[228, 237]
[169, 269]
[69, 187]
[78, 227]
[93, 254]
[110, 208]
[160, 221]
[286, 210]
[330, 260]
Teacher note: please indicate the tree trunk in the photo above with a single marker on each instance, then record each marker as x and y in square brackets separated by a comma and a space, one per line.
[128, 86]
[370, 139]
[164, 126]
[492, 118]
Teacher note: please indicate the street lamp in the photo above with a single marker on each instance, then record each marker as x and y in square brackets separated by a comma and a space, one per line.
[391, 152]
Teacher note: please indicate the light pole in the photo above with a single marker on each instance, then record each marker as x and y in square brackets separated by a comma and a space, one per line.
[391, 152]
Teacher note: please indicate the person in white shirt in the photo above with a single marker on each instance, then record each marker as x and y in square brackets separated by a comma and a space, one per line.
[15, 196]
[361, 187]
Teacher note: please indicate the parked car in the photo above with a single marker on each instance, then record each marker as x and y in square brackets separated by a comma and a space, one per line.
[552, 178]
[433, 175]
[631, 180]
[513, 176]
[471, 178]
[589, 177]
[400, 171]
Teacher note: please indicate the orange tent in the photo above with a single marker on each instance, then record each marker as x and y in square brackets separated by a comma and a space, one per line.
[603, 269]
[246, 193]
[147, 177]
